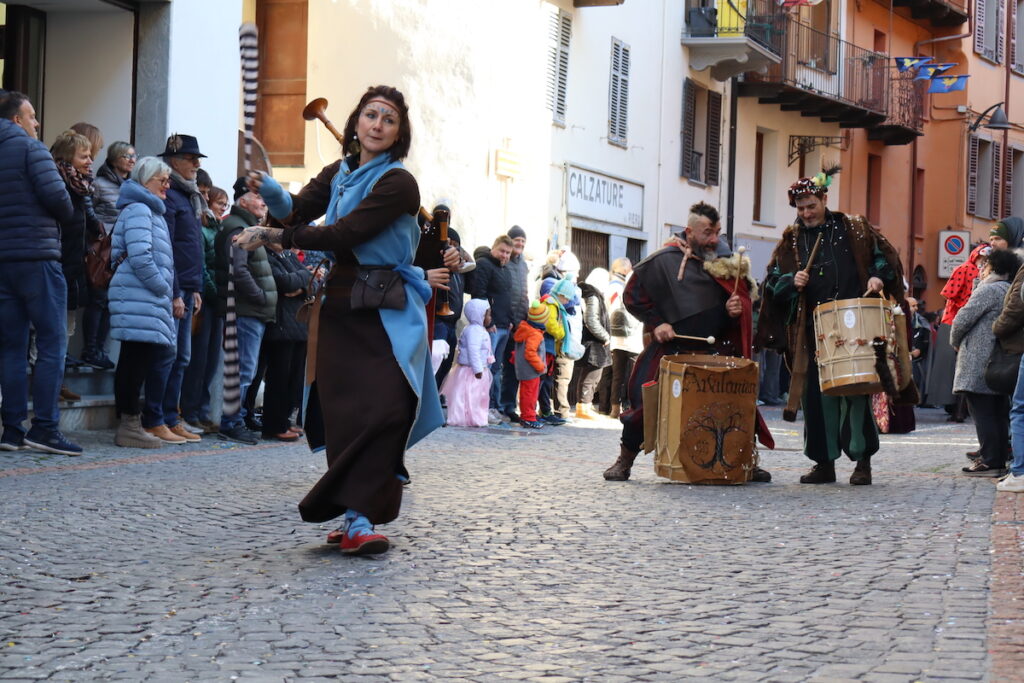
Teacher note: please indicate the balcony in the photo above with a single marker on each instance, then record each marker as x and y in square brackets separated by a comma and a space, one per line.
[735, 37]
[937, 12]
[825, 77]
[906, 111]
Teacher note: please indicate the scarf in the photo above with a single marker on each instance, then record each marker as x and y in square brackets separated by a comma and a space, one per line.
[78, 182]
[190, 189]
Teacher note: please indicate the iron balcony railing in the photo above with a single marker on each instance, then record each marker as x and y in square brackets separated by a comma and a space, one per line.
[906, 105]
[825, 65]
[762, 21]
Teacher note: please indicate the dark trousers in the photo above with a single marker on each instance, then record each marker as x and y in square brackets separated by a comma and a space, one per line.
[991, 415]
[509, 389]
[622, 368]
[286, 369]
[446, 331]
[95, 321]
[134, 363]
[249, 400]
[172, 371]
[771, 364]
[547, 385]
[207, 349]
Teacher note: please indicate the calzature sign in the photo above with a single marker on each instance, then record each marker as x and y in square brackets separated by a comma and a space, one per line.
[604, 198]
[954, 247]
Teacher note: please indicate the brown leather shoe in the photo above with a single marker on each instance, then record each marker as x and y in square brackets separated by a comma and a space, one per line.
[166, 435]
[861, 473]
[620, 470]
[68, 395]
[179, 430]
[821, 473]
[616, 411]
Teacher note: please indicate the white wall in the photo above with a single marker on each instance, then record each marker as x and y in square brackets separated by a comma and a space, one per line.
[89, 73]
[203, 86]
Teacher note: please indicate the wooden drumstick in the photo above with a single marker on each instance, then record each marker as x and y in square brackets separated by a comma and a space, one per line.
[709, 339]
[814, 254]
[739, 267]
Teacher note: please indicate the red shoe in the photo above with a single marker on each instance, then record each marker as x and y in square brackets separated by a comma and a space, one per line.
[334, 537]
[366, 543]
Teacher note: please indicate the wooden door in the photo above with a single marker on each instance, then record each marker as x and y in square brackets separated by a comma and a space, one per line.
[282, 84]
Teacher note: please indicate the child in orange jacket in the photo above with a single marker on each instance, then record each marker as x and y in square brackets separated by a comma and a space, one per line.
[529, 362]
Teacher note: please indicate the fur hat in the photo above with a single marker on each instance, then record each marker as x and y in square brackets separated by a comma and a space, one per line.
[538, 313]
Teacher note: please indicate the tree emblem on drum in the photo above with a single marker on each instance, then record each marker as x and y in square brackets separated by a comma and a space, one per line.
[720, 420]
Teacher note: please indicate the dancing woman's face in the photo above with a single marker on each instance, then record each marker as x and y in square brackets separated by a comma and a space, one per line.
[378, 127]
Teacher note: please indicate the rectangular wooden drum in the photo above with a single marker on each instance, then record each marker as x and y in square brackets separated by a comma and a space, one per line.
[844, 332]
[706, 416]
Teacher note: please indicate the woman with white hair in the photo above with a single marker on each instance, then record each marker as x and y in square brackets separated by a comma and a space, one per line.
[140, 300]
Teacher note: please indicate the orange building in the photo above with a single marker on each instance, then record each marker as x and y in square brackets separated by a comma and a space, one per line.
[935, 164]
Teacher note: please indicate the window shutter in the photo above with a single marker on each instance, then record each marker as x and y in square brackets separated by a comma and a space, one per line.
[997, 172]
[618, 95]
[713, 153]
[1008, 185]
[979, 26]
[689, 126]
[559, 33]
[1000, 33]
[972, 175]
[1013, 35]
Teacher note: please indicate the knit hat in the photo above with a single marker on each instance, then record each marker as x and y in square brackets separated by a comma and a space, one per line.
[999, 230]
[515, 231]
[564, 287]
[538, 313]
[240, 187]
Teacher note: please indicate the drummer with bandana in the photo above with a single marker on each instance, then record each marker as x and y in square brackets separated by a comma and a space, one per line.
[853, 258]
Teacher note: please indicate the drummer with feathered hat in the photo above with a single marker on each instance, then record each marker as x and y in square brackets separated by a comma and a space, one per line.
[852, 259]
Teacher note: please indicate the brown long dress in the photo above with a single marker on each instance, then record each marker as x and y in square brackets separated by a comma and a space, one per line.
[367, 404]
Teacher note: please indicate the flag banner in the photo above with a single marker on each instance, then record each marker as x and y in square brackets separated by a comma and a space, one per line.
[927, 71]
[907, 63]
[943, 84]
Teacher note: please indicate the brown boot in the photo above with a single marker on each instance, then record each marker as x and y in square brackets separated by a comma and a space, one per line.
[616, 411]
[861, 473]
[821, 473]
[623, 464]
[68, 395]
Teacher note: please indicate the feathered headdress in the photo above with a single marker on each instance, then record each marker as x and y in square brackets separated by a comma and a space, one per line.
[817, 185]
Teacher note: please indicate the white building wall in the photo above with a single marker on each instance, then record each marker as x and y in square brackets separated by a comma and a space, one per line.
[89, 73]
[204, 95]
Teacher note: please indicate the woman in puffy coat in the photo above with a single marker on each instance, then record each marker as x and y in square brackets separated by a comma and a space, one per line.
[972, 337]
[140, 298]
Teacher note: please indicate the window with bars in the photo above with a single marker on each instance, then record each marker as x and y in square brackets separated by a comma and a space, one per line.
[701, 134]
[618, 93]
[983, 174]
[989, 38]
[559, 33]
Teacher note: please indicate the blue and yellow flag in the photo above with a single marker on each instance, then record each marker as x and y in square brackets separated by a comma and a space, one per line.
[907, 63]
[948, 83]
[932, 70]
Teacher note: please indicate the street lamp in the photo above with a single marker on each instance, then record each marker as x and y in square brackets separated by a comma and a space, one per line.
[997, 121]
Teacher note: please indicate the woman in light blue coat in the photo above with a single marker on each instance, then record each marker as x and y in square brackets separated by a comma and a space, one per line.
[140, 297]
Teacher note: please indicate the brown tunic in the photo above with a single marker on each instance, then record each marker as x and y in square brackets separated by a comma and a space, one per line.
[367, 405]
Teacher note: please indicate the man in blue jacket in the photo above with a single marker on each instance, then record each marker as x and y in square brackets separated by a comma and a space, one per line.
[33, 202]
[185, 207]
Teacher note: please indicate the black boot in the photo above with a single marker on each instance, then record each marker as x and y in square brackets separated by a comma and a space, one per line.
[821, 473]
[619, 471]
[760, 476]
[861, 473]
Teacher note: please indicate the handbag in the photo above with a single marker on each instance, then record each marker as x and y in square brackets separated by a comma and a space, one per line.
[377, 287]
[1001, 370]
[97, 261]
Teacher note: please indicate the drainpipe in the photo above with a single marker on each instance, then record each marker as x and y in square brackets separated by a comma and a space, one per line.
[1007, 154]
[730, 201]
[968, 34]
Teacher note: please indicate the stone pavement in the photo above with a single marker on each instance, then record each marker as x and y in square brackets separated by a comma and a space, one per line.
[512, 559]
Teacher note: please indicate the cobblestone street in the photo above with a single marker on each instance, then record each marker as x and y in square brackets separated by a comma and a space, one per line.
[513, 558]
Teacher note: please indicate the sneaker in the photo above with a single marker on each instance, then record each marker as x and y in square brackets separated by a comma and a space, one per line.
[98, 360]
[12, 440]
[1012, 483]
[164, 433]
[180, 430]
[535, 424]
[254, 424]
[51, 442]
[512, 416]
[364, 543]
[192, 427]
[553, 420]
[980, 469]
[494, 417]
[239, 434]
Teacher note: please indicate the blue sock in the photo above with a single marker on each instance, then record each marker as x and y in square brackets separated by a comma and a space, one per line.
[357, 524]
